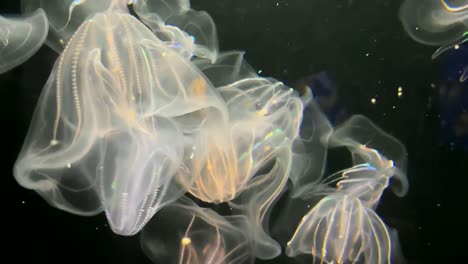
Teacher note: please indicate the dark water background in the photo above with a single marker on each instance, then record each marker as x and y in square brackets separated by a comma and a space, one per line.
[357, 48]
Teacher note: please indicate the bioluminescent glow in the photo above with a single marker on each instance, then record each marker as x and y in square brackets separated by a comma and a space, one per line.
[141, 112]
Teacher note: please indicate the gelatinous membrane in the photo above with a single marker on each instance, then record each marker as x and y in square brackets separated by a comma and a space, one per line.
[229, 68]
[248, 164]
[65, 16]
[185, 233]
[373, 149]
[21, 37]
[264, 116]
[257, 201]
[436, 22]
[108, 132]
[343, 227]
[340, 229]
[264, 120]
[310, 149]
[184, 29]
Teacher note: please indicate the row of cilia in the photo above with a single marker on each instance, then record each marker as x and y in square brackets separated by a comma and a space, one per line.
[143, 118]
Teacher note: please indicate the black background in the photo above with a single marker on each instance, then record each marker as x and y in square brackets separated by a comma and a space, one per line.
[288, 40]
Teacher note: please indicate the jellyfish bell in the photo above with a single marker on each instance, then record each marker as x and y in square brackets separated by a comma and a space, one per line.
[340, 229]
[263, 117]
[21, 37]
[440, 23]
[108, 133]
[343, 226]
